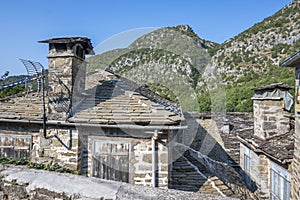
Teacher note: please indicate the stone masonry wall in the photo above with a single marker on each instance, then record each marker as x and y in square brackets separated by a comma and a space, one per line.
[143, 164]
[260, 167]
[70, 71]
[61, 66]
[224, 133]
[295, 178]
[295, 175]
[60, 146]
[226, 139]
[269, 118]
[265, 174]
[200, 162]
[25, 141]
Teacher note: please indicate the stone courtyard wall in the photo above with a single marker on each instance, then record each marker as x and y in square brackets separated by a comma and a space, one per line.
[24, 183]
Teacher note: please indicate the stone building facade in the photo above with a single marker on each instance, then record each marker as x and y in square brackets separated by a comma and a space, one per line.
[266, 153]
[294, 61]
[269, 112]
[106, 130]
[106, 126]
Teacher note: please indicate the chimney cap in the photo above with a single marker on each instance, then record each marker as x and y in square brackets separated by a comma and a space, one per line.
[86, 42]
[272, 86]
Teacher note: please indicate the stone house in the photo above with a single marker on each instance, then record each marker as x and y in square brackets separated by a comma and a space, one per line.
[108, 131]
[294, 61]
[109, 127]
[267, 151]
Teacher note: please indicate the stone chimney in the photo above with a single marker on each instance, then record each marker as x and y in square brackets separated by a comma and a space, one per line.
[66, 70]
[270, 105]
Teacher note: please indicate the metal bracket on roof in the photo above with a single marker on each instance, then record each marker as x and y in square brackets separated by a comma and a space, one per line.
[61, 102]
[35, 71]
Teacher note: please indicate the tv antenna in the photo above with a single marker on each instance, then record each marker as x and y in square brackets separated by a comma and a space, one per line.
[35, 72]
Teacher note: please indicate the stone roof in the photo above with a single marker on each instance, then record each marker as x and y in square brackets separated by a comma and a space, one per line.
[280, 148]
[21, 108]
[108, 100]
[273, 86]
[113, 101]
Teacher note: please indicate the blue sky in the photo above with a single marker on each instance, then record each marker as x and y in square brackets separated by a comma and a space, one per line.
[23, 23]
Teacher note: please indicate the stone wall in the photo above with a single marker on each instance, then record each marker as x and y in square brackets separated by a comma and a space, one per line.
[60, 146]
[270, 119]
[66, 66]
[265, 174]
[260, 167]
[75, 151]
[295, 178]
[201, 163]
[24, 183]
[225, 138]
[143, 164]
[223, 128]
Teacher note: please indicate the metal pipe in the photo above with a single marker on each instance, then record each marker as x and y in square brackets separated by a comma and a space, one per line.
[154, 159]
[123, 126]
[43, 103]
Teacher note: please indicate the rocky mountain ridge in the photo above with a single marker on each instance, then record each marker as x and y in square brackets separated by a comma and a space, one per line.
[261, 46]
[175, 56]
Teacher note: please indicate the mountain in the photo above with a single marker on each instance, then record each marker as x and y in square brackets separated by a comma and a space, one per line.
[261, 46]
[251, 58]
[168, 60]
[175, 60]
[19, 89]
[14, 90]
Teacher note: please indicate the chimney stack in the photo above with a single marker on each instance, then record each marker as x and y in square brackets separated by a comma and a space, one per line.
[270, 106]
[67, 68]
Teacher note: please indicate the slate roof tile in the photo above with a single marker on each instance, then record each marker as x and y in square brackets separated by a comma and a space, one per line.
[119, 105]
[109, 102]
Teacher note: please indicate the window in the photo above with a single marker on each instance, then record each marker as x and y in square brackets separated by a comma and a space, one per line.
[247, 160]
[111, 160]
[280, 183]
[15, 146]
[247, 165]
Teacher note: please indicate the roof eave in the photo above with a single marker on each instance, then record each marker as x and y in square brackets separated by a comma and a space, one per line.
[291, 61]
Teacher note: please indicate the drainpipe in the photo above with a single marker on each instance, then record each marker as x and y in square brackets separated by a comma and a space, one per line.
[43, 103]
[154, 159]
